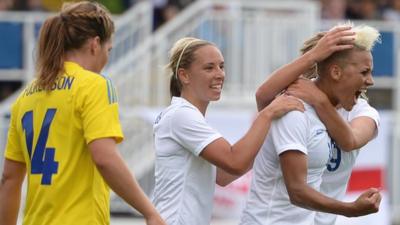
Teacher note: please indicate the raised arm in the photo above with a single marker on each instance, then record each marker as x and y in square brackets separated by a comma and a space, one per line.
[337, 39]
[117, 175]
[348, 136]
[294, 169]
[10, 191]
[238, 158]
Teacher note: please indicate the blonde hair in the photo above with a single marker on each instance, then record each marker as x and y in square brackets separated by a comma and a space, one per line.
[182, 56]
[366, 36]
[365, 39]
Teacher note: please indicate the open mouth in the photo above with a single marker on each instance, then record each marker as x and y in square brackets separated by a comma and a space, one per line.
[360, 92]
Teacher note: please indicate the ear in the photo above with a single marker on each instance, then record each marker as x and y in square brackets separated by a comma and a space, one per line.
[183, 76]
[335, 72]
[94, 45]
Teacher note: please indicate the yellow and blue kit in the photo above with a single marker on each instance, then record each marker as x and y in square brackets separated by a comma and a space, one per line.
[50, 132]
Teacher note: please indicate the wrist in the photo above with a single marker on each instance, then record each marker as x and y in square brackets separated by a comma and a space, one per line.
[152, 215]
[310, 58]
[266, 114]
[349, 209]
[321, 102]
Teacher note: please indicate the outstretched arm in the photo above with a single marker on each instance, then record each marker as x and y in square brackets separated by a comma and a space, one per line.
[348, 136]
[10, 191]
[340, 38]
[237, 159]
[294, 169]
[117, 175]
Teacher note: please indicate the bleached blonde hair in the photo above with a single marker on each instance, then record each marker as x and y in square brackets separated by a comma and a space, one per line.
[365, 39]
[366, 36]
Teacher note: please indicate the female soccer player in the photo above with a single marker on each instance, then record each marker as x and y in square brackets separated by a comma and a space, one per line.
[288, 169]
[350, 130]
[64, 129]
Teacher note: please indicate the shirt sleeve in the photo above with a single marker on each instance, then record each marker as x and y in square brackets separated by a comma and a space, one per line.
[362, 108]
[290, 132]
[190, 129]
[99, 111]
[13, 147]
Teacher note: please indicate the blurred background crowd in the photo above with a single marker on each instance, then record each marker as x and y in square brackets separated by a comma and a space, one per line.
[165, 10]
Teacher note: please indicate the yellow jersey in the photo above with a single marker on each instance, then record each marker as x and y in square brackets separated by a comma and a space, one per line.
[49, 132]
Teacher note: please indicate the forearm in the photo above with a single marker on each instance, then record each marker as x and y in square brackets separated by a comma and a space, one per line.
[307, 197]
[245, 150]
[337, 127]
[282, 78]
[10, 191]
[10, 197]
[117, 175]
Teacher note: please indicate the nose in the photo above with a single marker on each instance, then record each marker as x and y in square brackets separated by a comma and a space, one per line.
[370, 80]
[220, 73]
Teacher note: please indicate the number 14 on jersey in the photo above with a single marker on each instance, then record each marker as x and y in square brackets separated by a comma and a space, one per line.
[42, 158]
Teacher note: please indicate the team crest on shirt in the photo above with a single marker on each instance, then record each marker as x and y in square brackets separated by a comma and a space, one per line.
[335, 156]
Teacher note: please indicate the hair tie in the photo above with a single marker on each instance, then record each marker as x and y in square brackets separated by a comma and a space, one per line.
[63, 18]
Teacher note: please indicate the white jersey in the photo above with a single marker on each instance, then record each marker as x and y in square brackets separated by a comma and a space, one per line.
[336, 176]
[268, 201]
[184, 182]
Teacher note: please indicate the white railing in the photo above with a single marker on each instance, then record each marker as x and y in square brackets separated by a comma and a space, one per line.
[256, 37]
[28, 21]
[132, 28]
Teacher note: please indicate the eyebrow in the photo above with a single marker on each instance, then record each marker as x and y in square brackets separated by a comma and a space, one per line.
[212, 63]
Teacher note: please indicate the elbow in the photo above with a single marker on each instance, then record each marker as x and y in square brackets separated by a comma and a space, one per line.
[259, 99]
[222, 182]
[296, 196]
[236, 168]
[260, 96]
[348, 146]
[3, 180]
[263, 99]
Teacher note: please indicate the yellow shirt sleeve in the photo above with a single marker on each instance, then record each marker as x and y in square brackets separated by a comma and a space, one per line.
[13, 148]
[100, 111]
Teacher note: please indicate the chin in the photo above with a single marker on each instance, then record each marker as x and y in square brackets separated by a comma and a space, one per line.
[215, 98]
[348, 107]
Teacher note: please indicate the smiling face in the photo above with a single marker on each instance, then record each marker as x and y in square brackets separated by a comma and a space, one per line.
[204, 78]
[355, 77]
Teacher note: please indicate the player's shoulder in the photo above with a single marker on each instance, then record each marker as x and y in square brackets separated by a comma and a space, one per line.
[362, 104]
[181, 111]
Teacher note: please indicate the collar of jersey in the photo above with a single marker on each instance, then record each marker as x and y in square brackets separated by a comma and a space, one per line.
[71, 66]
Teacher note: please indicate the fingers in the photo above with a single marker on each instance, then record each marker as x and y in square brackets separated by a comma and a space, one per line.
[285, 103]
[340, 28]
[378, 202]
[342, 47]
[372, 191]
[341, 37]
[294, 103]
[375, 200]
[375, 197]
